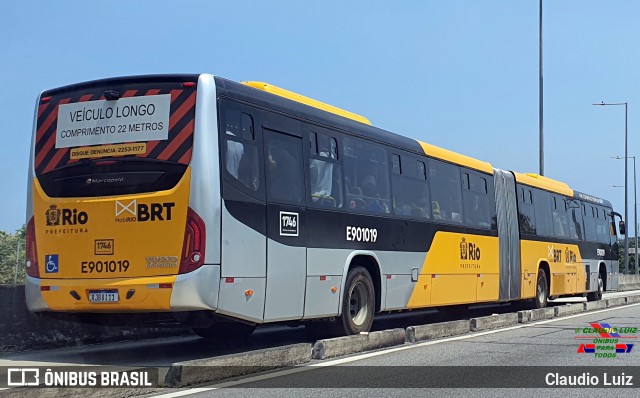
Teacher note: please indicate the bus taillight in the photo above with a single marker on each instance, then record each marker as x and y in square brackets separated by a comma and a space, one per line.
[32, 254]
[194, 243]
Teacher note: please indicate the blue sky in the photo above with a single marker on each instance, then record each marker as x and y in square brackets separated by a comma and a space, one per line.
[462, 75]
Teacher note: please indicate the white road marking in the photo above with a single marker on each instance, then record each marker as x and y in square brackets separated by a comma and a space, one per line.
[306, 367]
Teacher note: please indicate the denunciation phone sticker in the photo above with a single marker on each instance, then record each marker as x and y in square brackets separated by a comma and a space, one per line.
[132, 119]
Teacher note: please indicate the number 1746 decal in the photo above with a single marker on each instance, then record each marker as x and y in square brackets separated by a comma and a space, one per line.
[288, 223]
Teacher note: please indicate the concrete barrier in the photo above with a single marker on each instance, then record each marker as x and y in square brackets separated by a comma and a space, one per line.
[228, 366]
[568, 309]
[339, 346]
[494, 321]
[535, 315]
[437, 330]
[633, 299]
[22, 330]
[628, 282]
[594, 305]
[616, 301]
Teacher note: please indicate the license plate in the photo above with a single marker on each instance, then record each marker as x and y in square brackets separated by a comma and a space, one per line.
[103, 296]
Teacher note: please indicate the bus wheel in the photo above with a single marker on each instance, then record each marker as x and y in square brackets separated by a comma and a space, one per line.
[225, 330]
[358, 304]
[597, 295]
[542, 290]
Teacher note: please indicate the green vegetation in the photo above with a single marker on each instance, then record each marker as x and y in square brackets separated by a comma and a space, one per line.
[632, 244]
[9, 243]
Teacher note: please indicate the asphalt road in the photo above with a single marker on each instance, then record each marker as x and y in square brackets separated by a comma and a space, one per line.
[519, 357]
[549, 343]
[165, 351]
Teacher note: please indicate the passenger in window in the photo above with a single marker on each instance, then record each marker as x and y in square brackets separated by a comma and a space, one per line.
[368, 185]
[478, 215]
[577, 228]
[321, 173]
[248, 168]
[372, 197]
[235, 150]
[420, 208]
[438, 214]
[557, 224]
[284, 178]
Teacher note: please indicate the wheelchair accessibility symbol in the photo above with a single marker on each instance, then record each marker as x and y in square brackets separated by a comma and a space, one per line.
[51, 265]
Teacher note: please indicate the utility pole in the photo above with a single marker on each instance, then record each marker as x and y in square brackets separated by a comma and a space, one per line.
[540, 107]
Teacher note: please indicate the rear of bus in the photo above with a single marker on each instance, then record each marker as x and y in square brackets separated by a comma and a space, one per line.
[116, 207]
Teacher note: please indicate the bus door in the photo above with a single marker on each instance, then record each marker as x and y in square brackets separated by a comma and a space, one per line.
[286, 235]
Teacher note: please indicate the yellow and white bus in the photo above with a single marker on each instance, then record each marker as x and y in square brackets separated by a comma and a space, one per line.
[225, 205]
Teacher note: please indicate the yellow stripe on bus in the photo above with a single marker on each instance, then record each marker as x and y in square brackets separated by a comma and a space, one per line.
[147, 293]
[543, 182]
[459, 268]
[450, 156]
[565, 264]
[270, 88]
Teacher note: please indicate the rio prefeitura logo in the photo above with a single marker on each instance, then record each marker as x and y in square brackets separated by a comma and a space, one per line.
[606, 341]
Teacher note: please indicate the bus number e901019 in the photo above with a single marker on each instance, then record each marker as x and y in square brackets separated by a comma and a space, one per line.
[362, 234]
[88, 267]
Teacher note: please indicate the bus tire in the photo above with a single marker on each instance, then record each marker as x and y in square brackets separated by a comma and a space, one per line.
[358, 304]
[225, 330]
[597, 295]
[542, 290]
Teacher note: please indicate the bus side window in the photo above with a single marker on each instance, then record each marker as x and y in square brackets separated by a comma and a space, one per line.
[603, 229]
[476, 201]
[409, 186]
[325, 171]
[445, 188]
[574, 217]
[589, 225]
[542, 210]
[526, 212]
[284, 168]
[241, 151]
[366, 176]
[559, 217]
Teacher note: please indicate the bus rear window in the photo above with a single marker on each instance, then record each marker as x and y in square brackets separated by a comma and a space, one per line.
[117, 137]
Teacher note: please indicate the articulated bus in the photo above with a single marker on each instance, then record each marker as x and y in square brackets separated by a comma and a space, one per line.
[223, 205]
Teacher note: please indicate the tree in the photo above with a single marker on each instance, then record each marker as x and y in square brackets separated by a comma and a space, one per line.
[10, 243]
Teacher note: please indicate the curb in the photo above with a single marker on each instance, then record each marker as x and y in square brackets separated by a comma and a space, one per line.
[594, 305]
[219, 368]
[339, 346]
[436, 330]
[568, 309]
[493, 321]
[633, 299]
[535, 315]
[616, 301]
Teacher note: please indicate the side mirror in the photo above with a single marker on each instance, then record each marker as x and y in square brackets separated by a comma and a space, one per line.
[621, 227]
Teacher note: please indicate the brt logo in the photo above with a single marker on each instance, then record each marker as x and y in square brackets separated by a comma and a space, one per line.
[140, 212]
[554, 255]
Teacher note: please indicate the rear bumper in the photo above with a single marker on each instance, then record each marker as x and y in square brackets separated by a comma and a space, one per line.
[197, 290]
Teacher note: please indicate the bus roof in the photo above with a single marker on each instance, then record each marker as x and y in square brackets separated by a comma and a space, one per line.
[450, 156]
[363, 128]
[270, 88]
[538, 181]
